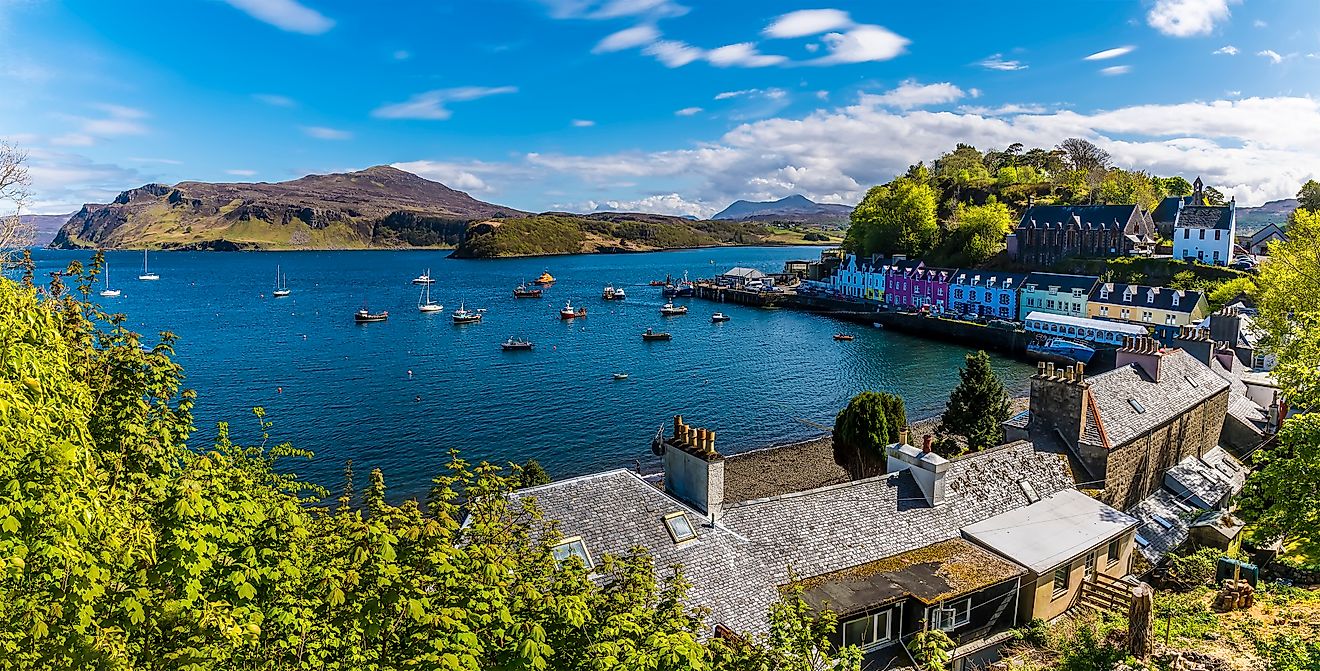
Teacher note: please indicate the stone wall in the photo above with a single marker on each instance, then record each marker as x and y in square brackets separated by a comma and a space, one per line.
[1135, 469]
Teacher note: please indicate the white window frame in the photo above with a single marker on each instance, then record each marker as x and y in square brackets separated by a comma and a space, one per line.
[673, 533]
[569, 543]
[877, 641]
[962, 614]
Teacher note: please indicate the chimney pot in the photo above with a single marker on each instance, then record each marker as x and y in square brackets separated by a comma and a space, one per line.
[1049, 369]
[1081, 369]
[1040, 368]
[925, 443]
[1068, 373]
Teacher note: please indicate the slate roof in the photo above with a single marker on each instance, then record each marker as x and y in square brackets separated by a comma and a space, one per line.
[1043, 217]
[992, 279]
[1207, 480]
[617, 510]
[1167, 210]
[841, 526]
[759, 474]
[1184, 383]
[1019, 421]
[1051, 531]
[748, 273]
[1253, 417]
[1163, 523]
[1161, 299]
[1065, 283]
[1206, 216]
[1264, 233]
[931, 574]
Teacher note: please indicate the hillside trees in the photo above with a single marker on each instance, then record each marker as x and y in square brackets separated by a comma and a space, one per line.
[1308, 197]
[981, 229]
[896, 218]
[1123, 187]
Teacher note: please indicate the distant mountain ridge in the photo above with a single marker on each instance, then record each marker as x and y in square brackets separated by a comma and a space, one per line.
[1252, 219]
[45, 226]
[380, 206]
[794, 208]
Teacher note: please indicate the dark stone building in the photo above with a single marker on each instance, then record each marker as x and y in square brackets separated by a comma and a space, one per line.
[1049, 233]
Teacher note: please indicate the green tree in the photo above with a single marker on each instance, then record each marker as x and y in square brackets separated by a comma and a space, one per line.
[977, 406]
[871, 421]
[531, 474]
[1288, 302]
[1308, 197]
[1123, 187]
[931, 650]
[1214, 197]
[1279, 499]
[896, 218]
[1177, 186]
[982, 229]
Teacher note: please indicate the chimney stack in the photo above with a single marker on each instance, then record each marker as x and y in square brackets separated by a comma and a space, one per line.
[694, 471]
[926, 467]
[1145, 353]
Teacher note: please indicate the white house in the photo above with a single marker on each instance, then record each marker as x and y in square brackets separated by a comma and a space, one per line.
[1205, 233]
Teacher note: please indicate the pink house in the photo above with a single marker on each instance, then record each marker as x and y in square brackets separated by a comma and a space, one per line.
[931, 287]
[900, 284]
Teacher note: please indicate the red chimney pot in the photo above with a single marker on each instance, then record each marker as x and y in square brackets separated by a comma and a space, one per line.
[925, 443]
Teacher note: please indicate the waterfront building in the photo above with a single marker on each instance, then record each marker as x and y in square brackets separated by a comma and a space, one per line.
[1205, 233]
[1259, 242]
[1059, 294]
[985, 293]
[1163, 310]
[1098, 331]
[859, 280]
[1047, 234]
[1128, 426]
[743, 278]
[744, 528]
[930, 287]
[900, 281]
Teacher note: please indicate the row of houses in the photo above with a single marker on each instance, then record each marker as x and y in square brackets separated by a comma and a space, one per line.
[1100, 479]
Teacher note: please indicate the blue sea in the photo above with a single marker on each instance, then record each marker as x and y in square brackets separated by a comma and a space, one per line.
[400, 394]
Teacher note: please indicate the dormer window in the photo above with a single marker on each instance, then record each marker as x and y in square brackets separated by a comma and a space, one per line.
[680, 528]
[573, 546]
[1175, 300]
[1104, 294]
[1127, 295]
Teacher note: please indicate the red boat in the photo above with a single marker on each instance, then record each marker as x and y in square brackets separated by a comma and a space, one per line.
[569, 313]
[523, 291]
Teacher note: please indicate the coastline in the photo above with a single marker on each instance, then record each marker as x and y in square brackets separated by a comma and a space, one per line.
[450, 249]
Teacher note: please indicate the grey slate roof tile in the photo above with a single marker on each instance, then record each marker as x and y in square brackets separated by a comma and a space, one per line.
[1184, 383]
[1211, 477]
[1162, 539]
[1205, 216]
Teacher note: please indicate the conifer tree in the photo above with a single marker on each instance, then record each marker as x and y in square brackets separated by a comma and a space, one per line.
[861, 431]
[976, 407]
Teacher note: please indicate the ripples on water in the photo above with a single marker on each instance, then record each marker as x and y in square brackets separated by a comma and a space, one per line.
[766, 377]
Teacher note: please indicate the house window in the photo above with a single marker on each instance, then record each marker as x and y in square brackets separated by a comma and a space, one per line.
[1062, 576]
[1003, 299]
[680, 528]
[952, 616]
[1049, 304]
[1257, 360]
[1216, 234]
[1104, 294]
[1125, 313]
[1104, 310]
[1111, 556]
[1187, 233]
[1203, 234]
[867, 632]
[1145, 316]
[1175, 300]
[1170, 320]
[571, 547]
[957, 293]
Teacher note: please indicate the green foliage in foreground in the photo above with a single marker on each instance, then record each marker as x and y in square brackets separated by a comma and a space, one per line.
[122, 547]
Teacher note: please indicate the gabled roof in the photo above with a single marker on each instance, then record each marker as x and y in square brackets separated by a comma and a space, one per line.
[1270, 229]
[988, 278]
[1206, 216]
[1207, 479]
[739, 271]
[1163, 522]
[1167, 210]
[1080, 216]
[1184, 383]
[1051, 531]
[1141, 294]
[1067, 283]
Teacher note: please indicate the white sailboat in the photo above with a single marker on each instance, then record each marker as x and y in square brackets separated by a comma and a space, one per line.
[146, 274]
[424, 303]
[107, 291]
[280, 290]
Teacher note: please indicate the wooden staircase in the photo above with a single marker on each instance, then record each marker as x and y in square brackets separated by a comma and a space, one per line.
[1104, 594]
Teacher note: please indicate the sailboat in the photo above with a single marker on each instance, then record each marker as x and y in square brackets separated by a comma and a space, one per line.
[107, 291]
[424, 302]
[280, 290]
[146, 274]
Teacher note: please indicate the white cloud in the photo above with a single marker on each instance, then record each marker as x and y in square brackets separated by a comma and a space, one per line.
[1227, 50]
[463, 176]
[673, 53]
[1186, 18]
[1259, 23]
[688, 111]
[73, 140]
[1114, 70]
[628, 38]
[431, 104]
[998, 62]
[1004, 110]
[63, 182]
[1110, 53]
[240, 172]
[743, 54]
[323, 133]
[613, 9]
[771, 93]
[583, 123]
[162, 161]
[912, 94]
[115, 121]
[669, 203]
[808, 22]
[862, 44]
[274, 100]
[1271, 54]
[287, 15]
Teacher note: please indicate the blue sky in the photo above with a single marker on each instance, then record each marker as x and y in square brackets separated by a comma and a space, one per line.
[656, 105]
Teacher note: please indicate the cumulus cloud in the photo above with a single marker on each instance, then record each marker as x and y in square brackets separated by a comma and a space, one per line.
[324, 133]
[998, 62]
[431, 104]
[743, 54]
[286, 15]
[1110, 53]
[1187, 18]
[862, 44]
[62, 182]
[1273, 56]
[628, 38]
[1227, 50]
[274, 100]
[688, 111]
[808, 22]
[668, 203]
[911, 94]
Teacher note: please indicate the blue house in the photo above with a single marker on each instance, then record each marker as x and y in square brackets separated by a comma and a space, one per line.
[985, 293]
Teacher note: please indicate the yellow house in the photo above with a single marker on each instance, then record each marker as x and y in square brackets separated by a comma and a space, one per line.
[1157, 307]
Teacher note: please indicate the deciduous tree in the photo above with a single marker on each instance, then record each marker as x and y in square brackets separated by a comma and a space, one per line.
[14, 182]
[982, 229]
[1308, 197]
[896, 218]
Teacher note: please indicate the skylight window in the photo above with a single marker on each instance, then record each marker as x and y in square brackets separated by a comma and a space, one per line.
[1030, 491]
[1136, 405]
[680, 528]
[1230, 465]
[1141, 540]
[1190, 381]
[1163, 522]
[571, 547]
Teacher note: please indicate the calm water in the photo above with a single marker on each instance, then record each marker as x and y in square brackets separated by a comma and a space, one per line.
[766, 377]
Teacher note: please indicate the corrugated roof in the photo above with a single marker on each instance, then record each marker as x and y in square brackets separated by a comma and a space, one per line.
[1051, 531]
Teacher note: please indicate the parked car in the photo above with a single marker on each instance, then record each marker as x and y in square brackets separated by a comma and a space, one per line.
[1002, 324]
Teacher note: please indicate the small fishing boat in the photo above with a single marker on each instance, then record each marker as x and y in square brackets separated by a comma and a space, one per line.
[424, 302]
[612, 294]
[671, 310]
[424, 278]
[1061, 350]
[843, 336]
[364, 315]
[719, 317]
[107, 291]
[147, 274]
[659, 283]
[515, 344]
[620, 294]
[620, 376]
[464, 316]
[281, 290]
[524, 291]
[649, 335]
[568, 312]
[545, 278]
[682, 289]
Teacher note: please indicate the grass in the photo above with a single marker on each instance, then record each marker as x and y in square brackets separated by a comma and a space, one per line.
[1303, 552]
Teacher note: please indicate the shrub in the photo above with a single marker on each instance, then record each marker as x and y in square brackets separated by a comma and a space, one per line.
[1187, 571]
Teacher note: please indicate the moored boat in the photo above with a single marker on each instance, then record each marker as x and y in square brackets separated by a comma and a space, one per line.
[1061, 350]
[107, 291]
[569, 312]
[612, 294]
[648, 335]
[424, 302]
[281, 287]
[424, 278]
[364, 315]
[843, 336]
[620, 294]
[524, 291]
[545, 278]
[719, 317]
[147, 274]
[515, 344]
[464, 316]
[671, 310]
[620, 376]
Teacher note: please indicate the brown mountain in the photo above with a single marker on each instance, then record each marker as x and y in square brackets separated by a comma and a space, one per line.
[377, 207]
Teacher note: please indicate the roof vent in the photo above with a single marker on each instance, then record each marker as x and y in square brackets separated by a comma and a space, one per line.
[1030, 491]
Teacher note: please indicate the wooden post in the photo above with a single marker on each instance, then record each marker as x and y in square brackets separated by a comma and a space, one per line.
[1141, 621]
